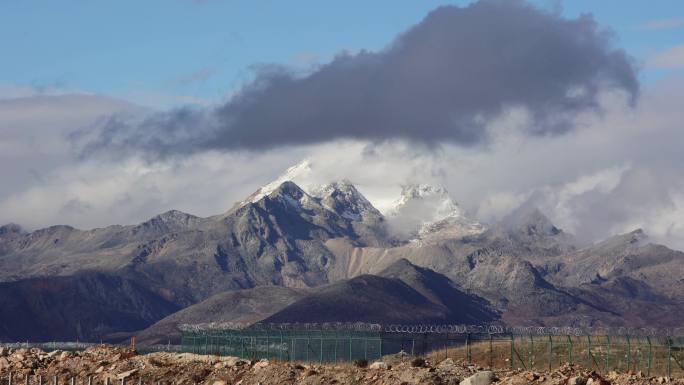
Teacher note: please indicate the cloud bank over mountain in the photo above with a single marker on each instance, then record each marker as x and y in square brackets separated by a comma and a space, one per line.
[443, 80]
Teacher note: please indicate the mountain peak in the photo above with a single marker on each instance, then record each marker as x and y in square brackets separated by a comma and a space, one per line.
[299, 170]
[530, 221]
[288, 188]
[169, 221]
[10, 230]
[344, 198]
[423, 210]
[173, 216]
[634, 238]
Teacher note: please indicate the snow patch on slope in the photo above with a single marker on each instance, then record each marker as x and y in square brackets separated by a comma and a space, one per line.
[343, 198]
[297, 171]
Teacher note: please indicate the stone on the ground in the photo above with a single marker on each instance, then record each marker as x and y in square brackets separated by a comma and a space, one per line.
[261, 364]
[480, 378]
[447, 362]
[125, 374]
[379, 365]
[577, 380]
[220, 382]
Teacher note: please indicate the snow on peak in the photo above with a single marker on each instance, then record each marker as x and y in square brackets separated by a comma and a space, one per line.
[343, 198]
[424, 209]
[297, 171]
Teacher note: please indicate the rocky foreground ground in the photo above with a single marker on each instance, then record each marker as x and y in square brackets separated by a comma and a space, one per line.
[116, 366]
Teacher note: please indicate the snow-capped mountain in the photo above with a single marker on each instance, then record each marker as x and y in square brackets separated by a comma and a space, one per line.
[343, 198]
[424, 210]
[292, 174]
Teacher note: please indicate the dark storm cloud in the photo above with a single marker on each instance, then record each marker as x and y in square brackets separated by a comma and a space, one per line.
[441, 80]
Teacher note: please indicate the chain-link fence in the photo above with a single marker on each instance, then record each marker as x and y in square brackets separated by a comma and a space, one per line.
[287, 343]
[651, 351]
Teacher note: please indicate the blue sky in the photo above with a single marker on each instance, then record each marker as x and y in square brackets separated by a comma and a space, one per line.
[167, 53]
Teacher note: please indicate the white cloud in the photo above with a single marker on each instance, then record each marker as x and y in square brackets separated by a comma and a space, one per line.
[662, 24]
[671, 58]
[618, 171]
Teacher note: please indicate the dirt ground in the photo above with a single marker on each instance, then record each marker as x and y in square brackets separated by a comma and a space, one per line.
[118, 366]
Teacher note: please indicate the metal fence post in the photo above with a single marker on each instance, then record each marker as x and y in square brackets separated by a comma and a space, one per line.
[381, 345]
[629, 353]
[608, 353]
[268, 344]
[669, 357]
[512, 349]
[591, 356]
[650, 355]
[491, 352]
[530, 357]
[336, 342]
[9, 379]
[321, 358]
[550, 352]
[468, 348]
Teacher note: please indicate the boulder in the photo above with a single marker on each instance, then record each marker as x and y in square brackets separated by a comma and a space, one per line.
[4, 363]
[261, 364]
[379, 365]
[230, 361]
[480, 378]
[125, 374]
[446, 362]
[577, 380]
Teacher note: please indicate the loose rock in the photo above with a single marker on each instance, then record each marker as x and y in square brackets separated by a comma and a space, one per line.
[480, 378]
[379, 365]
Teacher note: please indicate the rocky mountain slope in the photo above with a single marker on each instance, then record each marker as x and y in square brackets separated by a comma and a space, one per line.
[85, 307]
[238, 306]
[403, 293]
[524, 267]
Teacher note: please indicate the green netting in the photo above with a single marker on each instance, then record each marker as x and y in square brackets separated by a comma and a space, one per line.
[649, 354]
[322, 346]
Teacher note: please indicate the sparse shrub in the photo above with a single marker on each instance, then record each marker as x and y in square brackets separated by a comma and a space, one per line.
[361, 363]
[418, 362]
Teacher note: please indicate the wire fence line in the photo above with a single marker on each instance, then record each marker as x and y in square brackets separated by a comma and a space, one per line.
[654, 351]
[442, 328]
[650, 350]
